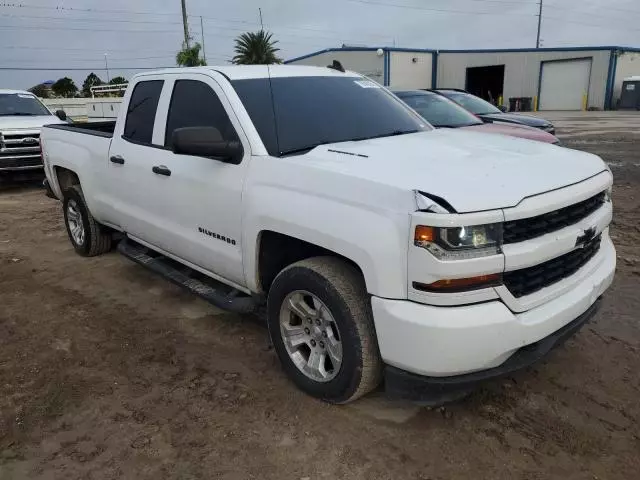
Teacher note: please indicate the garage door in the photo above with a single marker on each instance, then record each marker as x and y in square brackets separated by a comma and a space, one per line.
[563, 84]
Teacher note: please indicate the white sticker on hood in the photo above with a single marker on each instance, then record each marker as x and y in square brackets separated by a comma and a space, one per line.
[366, 84]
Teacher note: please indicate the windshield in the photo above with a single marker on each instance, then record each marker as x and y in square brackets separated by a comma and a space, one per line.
[21, 104]
[439, 111]
[472, 103]
[310, 111]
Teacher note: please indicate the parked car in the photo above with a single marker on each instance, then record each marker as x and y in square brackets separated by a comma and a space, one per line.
[490, 113]
[380, 246]
[441, 112]
[22, 116]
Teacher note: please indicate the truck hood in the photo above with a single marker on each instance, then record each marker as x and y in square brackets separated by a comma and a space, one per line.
[517, 118]
[471, 171]
[19, 122]
[514, 130]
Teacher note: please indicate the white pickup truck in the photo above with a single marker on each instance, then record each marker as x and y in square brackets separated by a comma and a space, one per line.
[382, 248]
[22, 116]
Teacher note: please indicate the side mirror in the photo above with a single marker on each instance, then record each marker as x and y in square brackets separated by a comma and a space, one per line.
[206, 142]
[502, 108]
[61, 114]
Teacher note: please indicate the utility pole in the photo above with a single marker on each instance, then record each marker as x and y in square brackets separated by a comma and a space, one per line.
[184, 23]
[539, 25]
[204, 53]
[106, 66]
[260, 12]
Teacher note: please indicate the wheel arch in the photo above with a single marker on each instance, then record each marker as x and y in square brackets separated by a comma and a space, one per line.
[276, 251]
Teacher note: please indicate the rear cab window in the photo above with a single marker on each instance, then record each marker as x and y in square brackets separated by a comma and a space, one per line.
[141, 112]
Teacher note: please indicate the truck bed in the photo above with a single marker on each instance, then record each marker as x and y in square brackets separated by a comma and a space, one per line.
[99, 129]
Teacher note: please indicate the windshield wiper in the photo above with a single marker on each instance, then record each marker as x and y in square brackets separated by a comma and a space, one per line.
[391, 134]
[303, 149]
[17, 114]
[460, 125]
[357, 139]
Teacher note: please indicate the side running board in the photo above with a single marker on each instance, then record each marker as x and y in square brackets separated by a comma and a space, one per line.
[217, 293]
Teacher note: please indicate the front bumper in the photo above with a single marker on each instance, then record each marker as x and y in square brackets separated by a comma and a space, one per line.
[433, 341]
[436, 390]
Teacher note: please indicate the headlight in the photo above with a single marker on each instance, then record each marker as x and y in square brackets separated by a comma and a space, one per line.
[460, 242]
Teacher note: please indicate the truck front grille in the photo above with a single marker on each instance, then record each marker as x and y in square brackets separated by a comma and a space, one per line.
[19, 150]
[528, 228]
[529, 280]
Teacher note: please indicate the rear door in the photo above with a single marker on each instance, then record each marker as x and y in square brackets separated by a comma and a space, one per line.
[131, 159]
[194, 203]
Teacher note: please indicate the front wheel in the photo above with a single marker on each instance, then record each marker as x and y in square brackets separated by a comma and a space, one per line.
[321, 325]
[87, 236]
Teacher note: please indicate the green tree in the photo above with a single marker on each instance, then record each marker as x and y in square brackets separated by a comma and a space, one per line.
[40, 91]
[92, 80]
[190, 56]
[64, 87]
[117, 80]
[255, 48]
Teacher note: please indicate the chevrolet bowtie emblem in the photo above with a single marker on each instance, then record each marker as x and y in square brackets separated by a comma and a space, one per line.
[586, 237]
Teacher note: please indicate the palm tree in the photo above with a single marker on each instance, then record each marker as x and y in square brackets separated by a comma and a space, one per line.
[255, 49]
[190, 56]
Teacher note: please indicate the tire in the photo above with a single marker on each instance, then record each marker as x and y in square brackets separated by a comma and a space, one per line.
[340, 289]
[96, 239]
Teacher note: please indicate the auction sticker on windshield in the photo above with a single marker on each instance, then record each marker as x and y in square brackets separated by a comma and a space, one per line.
[366, 84]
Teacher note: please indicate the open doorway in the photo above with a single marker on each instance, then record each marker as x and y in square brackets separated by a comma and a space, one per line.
[486, 82]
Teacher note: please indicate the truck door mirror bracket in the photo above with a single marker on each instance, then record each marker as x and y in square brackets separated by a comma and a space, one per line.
[206, 142]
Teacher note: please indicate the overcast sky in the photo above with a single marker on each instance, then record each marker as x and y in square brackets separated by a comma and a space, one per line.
[74, 35]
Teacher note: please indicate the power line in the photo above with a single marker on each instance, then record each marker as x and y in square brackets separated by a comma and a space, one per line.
[82, 49]
[99, 20]
[366, 2]
[617, 27]
[29, 27]
[438, 10]
[111, 58]
[61, 8]
[607, 7]
[275, 29]
[115, 59]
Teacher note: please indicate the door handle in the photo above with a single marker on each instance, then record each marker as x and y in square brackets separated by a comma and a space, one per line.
[117, 159]
[161, 170]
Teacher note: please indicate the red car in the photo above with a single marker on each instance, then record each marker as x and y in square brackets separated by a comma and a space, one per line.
[444, 113]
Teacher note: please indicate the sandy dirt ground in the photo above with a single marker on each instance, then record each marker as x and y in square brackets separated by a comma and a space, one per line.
[107, 371]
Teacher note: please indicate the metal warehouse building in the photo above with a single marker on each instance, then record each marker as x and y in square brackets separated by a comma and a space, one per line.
[550, 78]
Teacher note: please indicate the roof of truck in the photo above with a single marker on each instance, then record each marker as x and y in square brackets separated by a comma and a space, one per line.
[8, 91]
[240, 72]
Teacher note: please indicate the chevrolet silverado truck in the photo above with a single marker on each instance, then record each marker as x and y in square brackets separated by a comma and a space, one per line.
[380, 248]
[22, 116]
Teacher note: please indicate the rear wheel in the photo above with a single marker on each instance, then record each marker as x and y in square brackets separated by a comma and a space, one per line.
[87, 236]
[321, 324]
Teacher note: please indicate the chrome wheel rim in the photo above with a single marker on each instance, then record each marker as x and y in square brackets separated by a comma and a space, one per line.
[74, 220]
[310, 336]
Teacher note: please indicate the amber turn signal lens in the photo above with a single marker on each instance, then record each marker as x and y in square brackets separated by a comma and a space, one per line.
[460, 284]
[423, 234]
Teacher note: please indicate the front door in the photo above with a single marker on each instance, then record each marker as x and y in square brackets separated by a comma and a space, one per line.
[196, 202]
